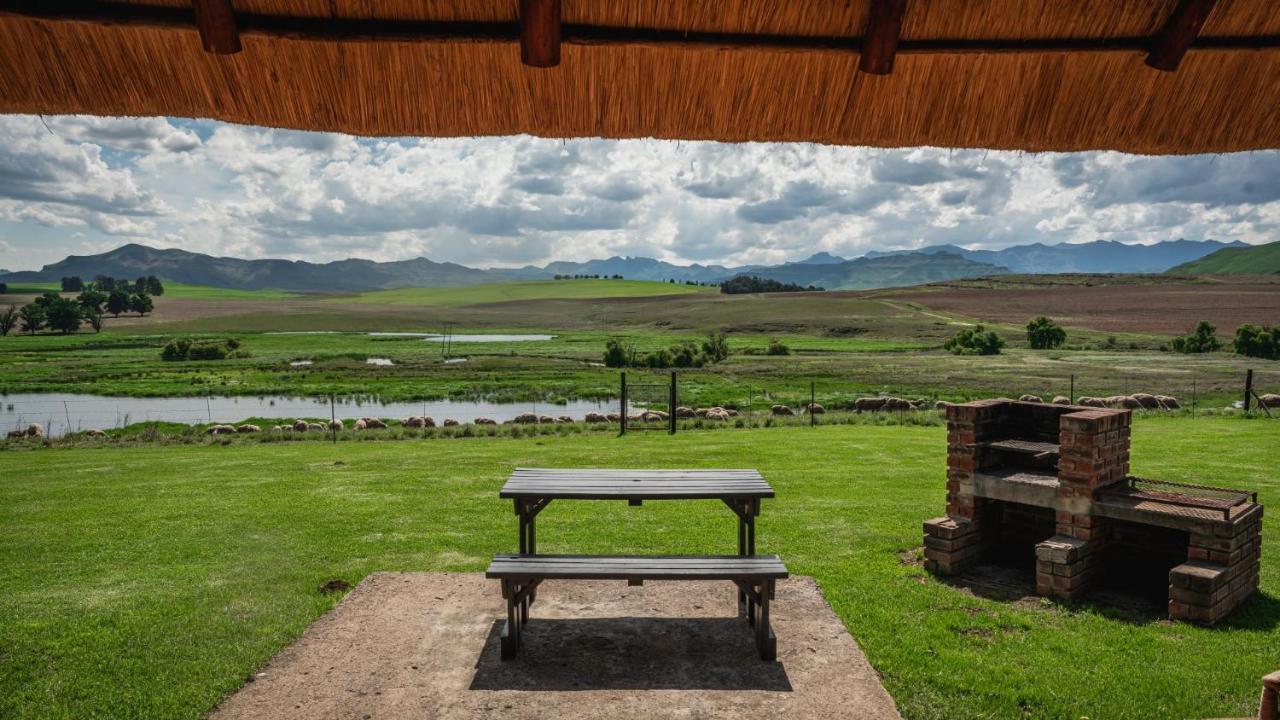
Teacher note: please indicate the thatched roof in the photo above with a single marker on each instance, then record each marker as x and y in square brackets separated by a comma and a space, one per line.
[1025, 74]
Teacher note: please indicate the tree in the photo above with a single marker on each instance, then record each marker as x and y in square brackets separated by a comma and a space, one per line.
[776, 347]
[91, 300]
[104, 283]
[1199, 340]
[32, 316]
[1045, 334]
[72, 283]
[715, 347]
[140, 303]
[63, 316]
[154, 287]
[94, 317]
[975, 340]
[47, 299]
[117, 302]
[1258, 341]
[742, 284]
[8, 319]
[617, 353]
[4, 288]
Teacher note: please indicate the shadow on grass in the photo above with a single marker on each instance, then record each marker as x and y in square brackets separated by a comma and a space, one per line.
[630, 653]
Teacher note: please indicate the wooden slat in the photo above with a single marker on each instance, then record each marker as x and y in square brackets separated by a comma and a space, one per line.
[642, 484]
[884, 26]
[1178, 34]
[217, 24]
[687, 567]
[540, 33]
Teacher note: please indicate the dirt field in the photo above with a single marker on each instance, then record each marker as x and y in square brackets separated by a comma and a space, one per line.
[1156, 308]
[425, 645]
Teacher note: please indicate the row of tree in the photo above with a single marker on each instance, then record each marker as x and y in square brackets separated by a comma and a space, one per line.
[56, 313]
[1260, 341]
[149, 285]
[743, 284]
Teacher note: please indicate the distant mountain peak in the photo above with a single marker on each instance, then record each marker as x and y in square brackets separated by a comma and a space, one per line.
[820, 258]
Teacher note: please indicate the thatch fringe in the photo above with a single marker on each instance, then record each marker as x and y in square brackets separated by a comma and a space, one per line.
[1078, 81]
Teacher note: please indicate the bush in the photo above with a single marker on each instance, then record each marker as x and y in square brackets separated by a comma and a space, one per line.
[776, 347]
[1045, 334]
[1199, 340]
[617, 354]
[715, 347]
[1258, 341]
[975, 341]
[185, 349]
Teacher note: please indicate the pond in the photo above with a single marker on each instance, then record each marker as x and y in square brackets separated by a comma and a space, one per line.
[59, 411]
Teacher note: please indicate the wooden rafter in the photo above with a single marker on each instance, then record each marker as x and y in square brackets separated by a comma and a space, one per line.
[881, 41]
[217, 24]
[1179, 32]
[540, 33]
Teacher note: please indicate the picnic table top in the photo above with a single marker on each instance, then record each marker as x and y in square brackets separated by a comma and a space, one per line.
[601, 484]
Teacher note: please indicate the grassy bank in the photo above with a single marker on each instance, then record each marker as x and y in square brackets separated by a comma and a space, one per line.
[151, 581]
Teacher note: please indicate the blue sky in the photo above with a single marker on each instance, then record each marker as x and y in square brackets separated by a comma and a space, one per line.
[82, 185]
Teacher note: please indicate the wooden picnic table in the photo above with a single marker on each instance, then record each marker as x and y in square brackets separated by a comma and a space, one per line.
[532, 489]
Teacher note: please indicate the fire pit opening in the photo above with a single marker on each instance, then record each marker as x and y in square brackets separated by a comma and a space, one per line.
[1137, 559]
[1013, 532]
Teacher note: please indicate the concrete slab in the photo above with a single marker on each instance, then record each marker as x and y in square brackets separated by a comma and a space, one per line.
[425, 645]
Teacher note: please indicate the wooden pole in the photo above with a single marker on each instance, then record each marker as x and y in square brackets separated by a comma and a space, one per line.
[1178, 33]
[671, 405]
[333, 417]
[217, 24]
[813, 419]
[622, 416]
[1248, 390]
[540, 33]
[1071, 400]
[881, 41]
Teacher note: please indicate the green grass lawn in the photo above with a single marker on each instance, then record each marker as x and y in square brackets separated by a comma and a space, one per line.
[530, 290]
[151, 581]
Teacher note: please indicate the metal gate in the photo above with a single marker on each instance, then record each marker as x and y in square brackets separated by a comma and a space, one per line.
[653, 404]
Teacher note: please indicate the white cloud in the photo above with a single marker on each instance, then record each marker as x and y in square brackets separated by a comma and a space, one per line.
[256, 192]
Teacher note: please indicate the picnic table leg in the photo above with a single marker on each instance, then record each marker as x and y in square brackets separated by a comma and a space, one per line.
[766, 641]
[510, 631]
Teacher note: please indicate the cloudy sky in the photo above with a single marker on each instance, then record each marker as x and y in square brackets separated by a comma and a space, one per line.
[81, 185]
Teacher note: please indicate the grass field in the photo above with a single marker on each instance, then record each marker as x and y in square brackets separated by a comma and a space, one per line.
[151, 581]
[531, 290]
[204, 292]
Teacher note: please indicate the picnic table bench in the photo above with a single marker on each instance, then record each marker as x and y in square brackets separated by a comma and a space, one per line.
[531, 490]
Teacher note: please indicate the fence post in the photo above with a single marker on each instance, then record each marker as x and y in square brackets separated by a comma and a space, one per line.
[622, 416]
[333, 417]
[1248, 389]
[813, 419]
[671, 405]
[1072, 394]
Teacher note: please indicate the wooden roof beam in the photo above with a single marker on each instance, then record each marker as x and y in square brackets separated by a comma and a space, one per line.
[880, 43]
[540, 33]
[217, 24]
[1178, 33]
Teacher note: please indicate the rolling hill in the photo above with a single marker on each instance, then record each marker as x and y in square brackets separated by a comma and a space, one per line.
[525, 290]
[1251, 260]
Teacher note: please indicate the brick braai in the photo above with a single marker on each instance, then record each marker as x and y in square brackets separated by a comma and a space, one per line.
[1009, 463]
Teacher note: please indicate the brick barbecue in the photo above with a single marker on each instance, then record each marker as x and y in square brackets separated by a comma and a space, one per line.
[1050, 485]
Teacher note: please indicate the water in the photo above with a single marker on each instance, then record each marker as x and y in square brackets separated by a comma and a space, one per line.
[59, 411]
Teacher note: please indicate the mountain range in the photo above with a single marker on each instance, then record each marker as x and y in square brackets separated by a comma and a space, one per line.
[1251, 260]
[875, 269]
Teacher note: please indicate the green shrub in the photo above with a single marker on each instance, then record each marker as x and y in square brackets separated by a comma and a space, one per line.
[176, 349]
[776, 347]
[715, 347]
[207, 351]
[975, 340]
[1199, 340]
[1260, 341]
[1045, 334]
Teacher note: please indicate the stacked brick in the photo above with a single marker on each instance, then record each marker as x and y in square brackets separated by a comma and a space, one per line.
[1093, 453]
[1223, 571]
